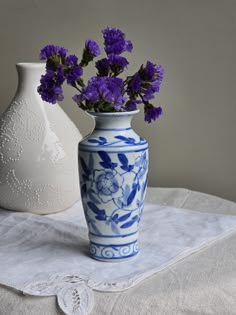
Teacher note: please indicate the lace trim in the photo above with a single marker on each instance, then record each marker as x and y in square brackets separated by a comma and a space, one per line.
[74, 296]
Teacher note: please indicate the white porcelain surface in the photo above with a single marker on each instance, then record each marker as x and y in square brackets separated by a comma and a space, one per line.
[38, 150]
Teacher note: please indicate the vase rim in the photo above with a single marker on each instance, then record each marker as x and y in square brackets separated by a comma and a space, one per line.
[107, 114]
[31, 64]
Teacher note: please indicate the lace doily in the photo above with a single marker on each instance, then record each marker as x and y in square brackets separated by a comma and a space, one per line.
[43, 256]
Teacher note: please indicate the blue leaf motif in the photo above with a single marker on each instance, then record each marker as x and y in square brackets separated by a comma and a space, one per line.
[121, 138]
[103, 140]
[131, 196]
[135, 218]
[95, 209]
[94, 141]
[124, 217]
[104, 156]
[115, 218]
[101, 217]
[106, 161]
[127, 168]
[131, 140]
[125, 162]
[130, 223]
[123, 159]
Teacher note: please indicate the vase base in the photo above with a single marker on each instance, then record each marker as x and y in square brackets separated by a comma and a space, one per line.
[114, 253]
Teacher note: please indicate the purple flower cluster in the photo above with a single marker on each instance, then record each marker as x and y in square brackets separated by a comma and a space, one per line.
[144, 84]
[147, 81]
[114, 64]
[51, 51]
[115, 42]
[92, 48]
[73, 71]
[104, 92]
[114, 45]
[50, 87]
[152, 113]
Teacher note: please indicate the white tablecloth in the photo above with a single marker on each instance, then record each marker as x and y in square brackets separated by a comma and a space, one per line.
[203, 283]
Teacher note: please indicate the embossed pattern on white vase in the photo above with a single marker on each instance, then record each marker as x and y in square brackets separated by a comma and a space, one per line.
[38, 150]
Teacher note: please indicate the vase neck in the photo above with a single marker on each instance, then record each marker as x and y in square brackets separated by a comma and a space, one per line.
[112, 121]
[29, 75]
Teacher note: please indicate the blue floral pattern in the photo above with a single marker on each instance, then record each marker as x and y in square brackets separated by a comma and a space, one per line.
[107, 184]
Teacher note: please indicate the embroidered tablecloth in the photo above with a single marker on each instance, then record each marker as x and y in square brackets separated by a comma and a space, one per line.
[44, 256]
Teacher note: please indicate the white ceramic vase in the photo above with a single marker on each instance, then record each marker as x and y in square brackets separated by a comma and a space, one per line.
[38, 150]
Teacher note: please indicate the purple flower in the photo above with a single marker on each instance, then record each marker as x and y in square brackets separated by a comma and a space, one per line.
[148, 95]
[152, 113]
[131, 105]
[91, 92]
[149, 91]
[73, 71]
[117, 63]
[103, 67]
[50, 87]
[134, 85]
[114, 41]
[59, 75]
[92, 48]
[71, 60]
[52, 50]
[151, 72]
[155, 86]
[74, 74]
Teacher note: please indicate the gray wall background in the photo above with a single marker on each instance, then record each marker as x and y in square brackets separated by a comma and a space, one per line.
[193, 144]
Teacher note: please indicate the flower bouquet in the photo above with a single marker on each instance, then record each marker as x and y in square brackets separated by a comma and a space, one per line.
[113, 159]
[104, 92]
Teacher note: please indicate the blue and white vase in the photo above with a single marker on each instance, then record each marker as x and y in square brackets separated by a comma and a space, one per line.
[113, 163]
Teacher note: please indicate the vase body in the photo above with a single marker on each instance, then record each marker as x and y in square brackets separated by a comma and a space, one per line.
[113, 162]
[38, 150]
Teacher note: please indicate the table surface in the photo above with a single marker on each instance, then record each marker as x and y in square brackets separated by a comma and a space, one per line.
[203, 283]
